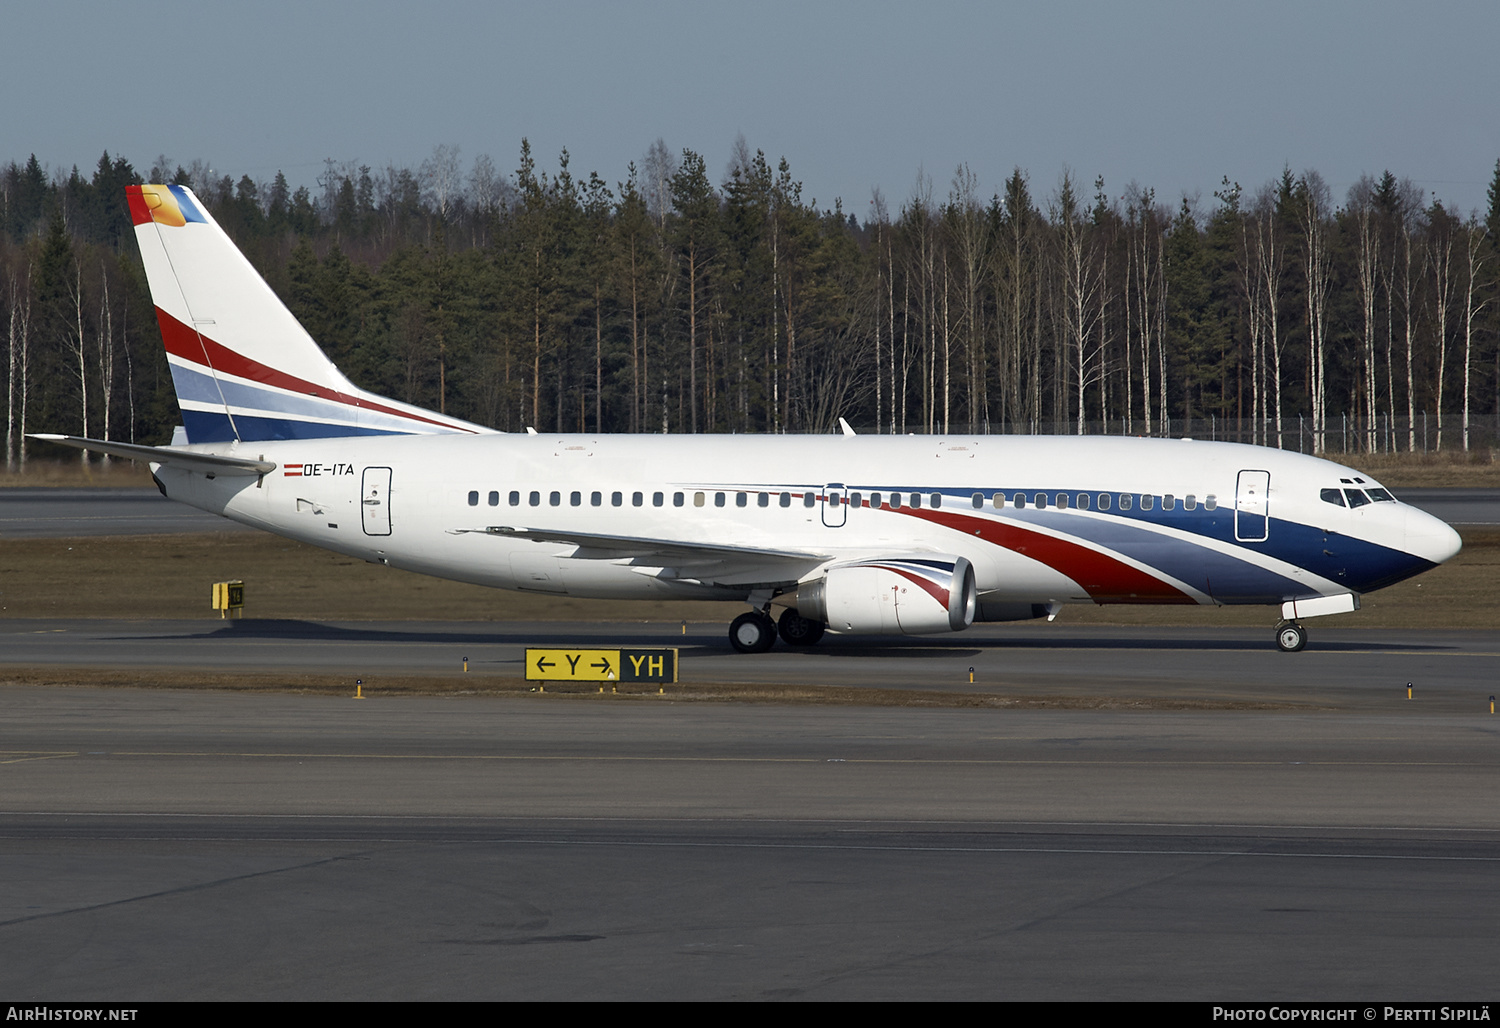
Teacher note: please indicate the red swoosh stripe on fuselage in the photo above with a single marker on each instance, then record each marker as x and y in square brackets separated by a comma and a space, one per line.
[1104, 578]
[182, 341]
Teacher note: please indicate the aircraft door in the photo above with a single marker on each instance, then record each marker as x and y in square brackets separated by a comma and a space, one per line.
[1252, 519]
[375, 501]
[835, 505]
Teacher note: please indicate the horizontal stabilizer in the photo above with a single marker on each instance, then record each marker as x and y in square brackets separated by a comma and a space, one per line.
[171, 456]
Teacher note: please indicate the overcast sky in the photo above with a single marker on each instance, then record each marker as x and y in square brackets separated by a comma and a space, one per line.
[855, 95]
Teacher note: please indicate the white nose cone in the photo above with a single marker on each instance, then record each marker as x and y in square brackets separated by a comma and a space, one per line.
[1430, 538]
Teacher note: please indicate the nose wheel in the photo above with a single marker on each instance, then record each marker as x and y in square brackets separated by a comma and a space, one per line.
[753, 632]
[1290, 637]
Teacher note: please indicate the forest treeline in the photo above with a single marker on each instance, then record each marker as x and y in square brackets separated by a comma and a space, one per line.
[669, 302]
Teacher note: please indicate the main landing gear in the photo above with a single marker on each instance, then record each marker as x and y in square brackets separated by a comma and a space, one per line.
[1290, 637]
[755, 632]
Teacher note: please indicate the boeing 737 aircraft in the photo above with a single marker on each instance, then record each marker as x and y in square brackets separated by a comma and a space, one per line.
[858, 534]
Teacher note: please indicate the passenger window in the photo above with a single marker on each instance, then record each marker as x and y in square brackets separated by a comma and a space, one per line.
[596, 499]
[809, 499]
[895, 501]
[718, 499]
[617, 500]
[855, 500]
[764, 499]
[1189, 502]
[555, 498]
[1332, 496]
[677, 500]
[1104, 501]
[1083, 501]
[698, 499]
[473, 497]
[916, 501]
[1062, 501]
[637, 499]
[1169, 502]
[515, 497]
[998, 501]
[978, 500]
[1147, 500]
[536, 498]
[1020, 500]
[494, 498]
[658, 498]
[875, 501]
[1041, 500]
[1125, 501]
[1356, 498]
[741, 499]
[1210, 501]
[575, 498]
[937, 500]
[786, 499]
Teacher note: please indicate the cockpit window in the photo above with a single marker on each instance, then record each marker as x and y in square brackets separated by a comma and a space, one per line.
[1332, 496]
[1356, 497]
[1381, 496]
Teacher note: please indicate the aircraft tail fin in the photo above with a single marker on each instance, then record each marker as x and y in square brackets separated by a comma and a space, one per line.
[242, 365]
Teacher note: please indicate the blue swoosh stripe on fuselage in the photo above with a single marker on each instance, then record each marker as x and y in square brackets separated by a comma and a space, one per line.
[1356, 564]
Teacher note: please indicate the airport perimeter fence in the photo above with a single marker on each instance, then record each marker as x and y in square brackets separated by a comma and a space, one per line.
[1342, 434]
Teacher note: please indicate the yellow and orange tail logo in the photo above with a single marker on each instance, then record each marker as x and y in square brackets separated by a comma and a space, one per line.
[165, 205]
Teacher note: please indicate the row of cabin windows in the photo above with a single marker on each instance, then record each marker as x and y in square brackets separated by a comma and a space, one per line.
[894, 501]
[1104, 501]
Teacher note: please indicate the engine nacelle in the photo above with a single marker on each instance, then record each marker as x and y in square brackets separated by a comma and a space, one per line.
[903, 595]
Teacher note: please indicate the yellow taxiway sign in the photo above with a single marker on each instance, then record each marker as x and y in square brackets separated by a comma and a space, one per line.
[576, 665]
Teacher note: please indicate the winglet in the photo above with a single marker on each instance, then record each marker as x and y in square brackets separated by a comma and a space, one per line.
[845, 426]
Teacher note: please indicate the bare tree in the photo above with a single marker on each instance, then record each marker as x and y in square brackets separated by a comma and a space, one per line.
[1313, 213]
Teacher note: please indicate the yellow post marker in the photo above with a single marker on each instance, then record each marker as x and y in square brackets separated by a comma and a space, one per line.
[229, 596]
[684, 628]
[359, 688]
[971, 676]
[1492, 704]
[466, 665]
[1408, 690]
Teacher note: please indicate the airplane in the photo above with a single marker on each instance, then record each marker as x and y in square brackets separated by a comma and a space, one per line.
[857, 534]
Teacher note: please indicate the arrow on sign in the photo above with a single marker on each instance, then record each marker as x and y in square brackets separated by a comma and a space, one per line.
[542, 664]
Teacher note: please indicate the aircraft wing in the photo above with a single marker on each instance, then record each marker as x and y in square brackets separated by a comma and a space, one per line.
[705, 562]
[171, 456]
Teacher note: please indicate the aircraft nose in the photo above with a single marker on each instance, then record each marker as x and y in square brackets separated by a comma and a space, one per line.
[1430, 538]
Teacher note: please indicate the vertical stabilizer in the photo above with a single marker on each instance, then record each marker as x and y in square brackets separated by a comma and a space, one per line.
[242, 365]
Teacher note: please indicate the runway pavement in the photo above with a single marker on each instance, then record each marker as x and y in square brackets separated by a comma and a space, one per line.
[179, 845]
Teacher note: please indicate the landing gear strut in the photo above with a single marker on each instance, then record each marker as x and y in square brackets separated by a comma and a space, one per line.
[752, 632]
[1290, 637]
[797, 630]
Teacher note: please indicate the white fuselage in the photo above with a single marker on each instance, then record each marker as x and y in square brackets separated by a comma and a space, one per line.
[1206, 523]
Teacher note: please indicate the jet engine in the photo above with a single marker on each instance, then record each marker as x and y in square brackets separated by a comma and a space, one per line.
[903, 595]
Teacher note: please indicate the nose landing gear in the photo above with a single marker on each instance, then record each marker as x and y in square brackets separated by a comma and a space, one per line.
[1290, 637]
